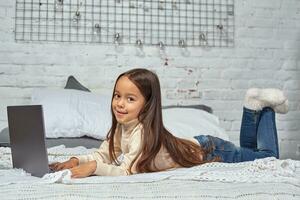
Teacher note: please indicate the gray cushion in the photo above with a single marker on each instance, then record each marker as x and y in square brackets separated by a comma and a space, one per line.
[87, 142]
[73, 83]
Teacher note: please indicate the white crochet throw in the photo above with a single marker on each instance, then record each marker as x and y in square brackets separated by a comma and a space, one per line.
[247, 180]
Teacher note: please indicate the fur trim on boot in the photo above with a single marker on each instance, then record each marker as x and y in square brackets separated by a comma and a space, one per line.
[257, 99]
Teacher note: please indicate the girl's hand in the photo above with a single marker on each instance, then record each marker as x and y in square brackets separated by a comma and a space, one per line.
[84, 170]
[73, 162]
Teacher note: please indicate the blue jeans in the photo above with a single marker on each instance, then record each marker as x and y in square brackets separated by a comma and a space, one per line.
[258, 139]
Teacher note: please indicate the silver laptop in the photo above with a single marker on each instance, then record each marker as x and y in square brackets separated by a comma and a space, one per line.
[27, 139]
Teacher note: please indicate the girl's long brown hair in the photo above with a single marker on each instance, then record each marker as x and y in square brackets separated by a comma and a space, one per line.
[155, 135]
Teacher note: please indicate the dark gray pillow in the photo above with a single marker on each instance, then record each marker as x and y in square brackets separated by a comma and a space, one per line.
[73, 83]
[200, 107]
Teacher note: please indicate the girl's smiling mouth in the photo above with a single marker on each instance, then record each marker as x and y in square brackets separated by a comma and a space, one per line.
[121, 113]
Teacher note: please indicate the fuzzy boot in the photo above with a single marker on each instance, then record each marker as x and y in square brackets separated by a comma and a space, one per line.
[257, 99]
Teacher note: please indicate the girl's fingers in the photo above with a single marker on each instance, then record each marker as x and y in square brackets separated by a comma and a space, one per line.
[53, 166]
[77, 172]
[60, 167]
[57, 166]
[74, 173]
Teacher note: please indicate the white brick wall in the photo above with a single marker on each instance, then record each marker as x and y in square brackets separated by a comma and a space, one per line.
[266, 54]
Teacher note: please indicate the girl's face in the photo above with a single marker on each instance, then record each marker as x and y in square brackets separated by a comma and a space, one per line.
[127, 101]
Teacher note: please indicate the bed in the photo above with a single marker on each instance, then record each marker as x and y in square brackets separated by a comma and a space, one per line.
[74, 126]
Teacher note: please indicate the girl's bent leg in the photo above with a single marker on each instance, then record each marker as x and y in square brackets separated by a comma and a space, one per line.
[261, 127]
[248, 132]
[267, 139]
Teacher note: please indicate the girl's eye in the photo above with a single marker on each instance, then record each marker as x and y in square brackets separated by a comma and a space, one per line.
[116, 96]
[130, 99]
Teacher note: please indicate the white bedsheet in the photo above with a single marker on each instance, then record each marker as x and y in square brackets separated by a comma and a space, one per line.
[260, 179]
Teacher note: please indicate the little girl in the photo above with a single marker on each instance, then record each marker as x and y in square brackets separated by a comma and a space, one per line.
[138, 142]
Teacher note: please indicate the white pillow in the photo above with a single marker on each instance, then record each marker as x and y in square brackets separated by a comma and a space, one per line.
[73, 113]
[189, 122]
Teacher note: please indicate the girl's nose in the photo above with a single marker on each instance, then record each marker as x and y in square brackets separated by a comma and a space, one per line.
[120, 103]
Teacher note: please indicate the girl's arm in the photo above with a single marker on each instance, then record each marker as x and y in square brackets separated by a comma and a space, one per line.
[84, 170]
[134, 145]
[99, 163]
[102, 154]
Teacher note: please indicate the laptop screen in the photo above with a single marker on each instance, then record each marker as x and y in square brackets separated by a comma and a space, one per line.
[27, 139]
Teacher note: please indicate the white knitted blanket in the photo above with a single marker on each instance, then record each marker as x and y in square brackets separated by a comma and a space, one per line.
[260, 179]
